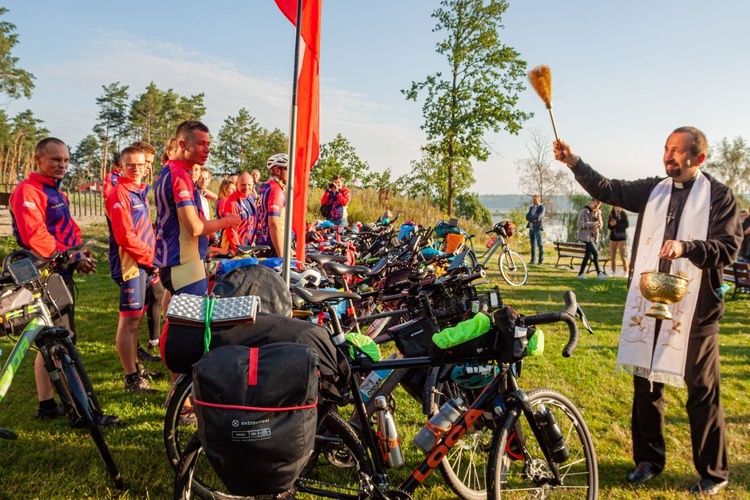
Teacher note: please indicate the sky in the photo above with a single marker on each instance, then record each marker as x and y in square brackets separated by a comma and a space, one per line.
[624, 74]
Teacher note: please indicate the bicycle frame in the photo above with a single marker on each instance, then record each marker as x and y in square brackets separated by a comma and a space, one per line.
[28, 336]
[441, 447]
[499, 243]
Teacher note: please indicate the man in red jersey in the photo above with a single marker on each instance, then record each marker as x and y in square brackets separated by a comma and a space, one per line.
[131, 258]
[43, 225]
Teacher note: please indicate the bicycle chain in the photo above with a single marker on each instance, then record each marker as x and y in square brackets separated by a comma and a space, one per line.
[322, 484]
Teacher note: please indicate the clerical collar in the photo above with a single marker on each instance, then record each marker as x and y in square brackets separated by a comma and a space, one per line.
[683, 185]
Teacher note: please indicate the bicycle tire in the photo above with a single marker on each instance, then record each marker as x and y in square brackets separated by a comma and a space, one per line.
[464, 467]
[176, 432]
[521, 471]
[317, 475]
[512, 268]
[80, 401]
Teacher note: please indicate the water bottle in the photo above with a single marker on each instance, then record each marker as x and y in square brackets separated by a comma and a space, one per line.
[552, 434]
[390, 444]
[438, 425]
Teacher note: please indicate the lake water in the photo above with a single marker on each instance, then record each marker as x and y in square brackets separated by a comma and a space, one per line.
[554, 230]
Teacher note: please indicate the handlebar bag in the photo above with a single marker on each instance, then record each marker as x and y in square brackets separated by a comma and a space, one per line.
[467, 339]
[414, 337]
[511, 337]
[14, 309]
[256, 410]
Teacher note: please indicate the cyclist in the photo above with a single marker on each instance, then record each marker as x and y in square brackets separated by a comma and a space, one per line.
[131, 258]
[271, 221]
[181, 227]
[242, 203]
[43, 225]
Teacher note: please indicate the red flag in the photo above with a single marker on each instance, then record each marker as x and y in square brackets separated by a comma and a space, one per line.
[308, 109]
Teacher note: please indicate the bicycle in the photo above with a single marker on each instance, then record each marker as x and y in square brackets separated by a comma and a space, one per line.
[520, 460]
[30, 304]
[511, 264]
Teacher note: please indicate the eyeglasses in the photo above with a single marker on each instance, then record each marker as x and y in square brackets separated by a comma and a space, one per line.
[134, 166]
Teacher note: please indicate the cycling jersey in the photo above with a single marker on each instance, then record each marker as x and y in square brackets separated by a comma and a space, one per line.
[245, 208]
[110, 181]
[174, 188]
[41, 216]
[272, 202]
[131, 235]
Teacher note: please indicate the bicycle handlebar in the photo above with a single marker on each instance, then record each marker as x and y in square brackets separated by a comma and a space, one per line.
[567, 316]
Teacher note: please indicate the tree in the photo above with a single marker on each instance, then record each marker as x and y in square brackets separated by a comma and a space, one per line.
[536, 175]
[236, 137]
[338, 157]
[14, 81]
[112, 124]
[480, 92]
[429, 179]
[86, 161]
[25, 132]
[155, 115]
[730, 163]
[244, 145]
[469, 207]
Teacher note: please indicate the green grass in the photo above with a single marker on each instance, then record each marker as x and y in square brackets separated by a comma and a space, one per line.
[50, 460]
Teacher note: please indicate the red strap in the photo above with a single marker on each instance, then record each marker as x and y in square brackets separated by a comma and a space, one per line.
[252, 367]
[255, 408]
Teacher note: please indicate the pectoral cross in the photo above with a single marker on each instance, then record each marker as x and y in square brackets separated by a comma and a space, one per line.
[670, 218]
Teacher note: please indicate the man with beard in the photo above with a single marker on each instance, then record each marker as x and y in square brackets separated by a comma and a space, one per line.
[688, 224]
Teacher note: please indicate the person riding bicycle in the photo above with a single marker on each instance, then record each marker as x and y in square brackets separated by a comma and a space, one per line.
[271, 219]
[42, 224]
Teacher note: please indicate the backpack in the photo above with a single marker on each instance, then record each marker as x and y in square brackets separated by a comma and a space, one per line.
[326, 209]
[257, 414]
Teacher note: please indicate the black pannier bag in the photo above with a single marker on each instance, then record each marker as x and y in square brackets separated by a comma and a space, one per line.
[414, 337]
[184, 345]
[263, 281]
[257, 416]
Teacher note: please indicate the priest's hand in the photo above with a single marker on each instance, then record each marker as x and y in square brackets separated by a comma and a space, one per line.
[672, 250]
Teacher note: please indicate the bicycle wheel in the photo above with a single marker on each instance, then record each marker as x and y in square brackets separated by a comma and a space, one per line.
[179, 421]
[513, 268]
[76, 396]
[517, 467]
[464, 467]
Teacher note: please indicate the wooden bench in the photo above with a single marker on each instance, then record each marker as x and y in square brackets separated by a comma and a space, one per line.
[576, 250]
[738, 274]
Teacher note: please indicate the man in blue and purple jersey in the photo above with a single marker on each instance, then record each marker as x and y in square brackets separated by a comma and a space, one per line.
[181, 226]
[131, 258]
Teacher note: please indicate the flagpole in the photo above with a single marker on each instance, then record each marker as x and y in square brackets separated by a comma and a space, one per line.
[292, 152]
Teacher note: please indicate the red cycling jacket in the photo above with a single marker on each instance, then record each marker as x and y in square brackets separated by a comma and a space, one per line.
[41, 216]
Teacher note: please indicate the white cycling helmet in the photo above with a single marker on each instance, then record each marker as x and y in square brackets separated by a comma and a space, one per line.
[280, 160]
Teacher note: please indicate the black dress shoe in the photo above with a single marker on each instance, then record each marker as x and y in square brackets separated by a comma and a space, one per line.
[706, 486]
[645, 471]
